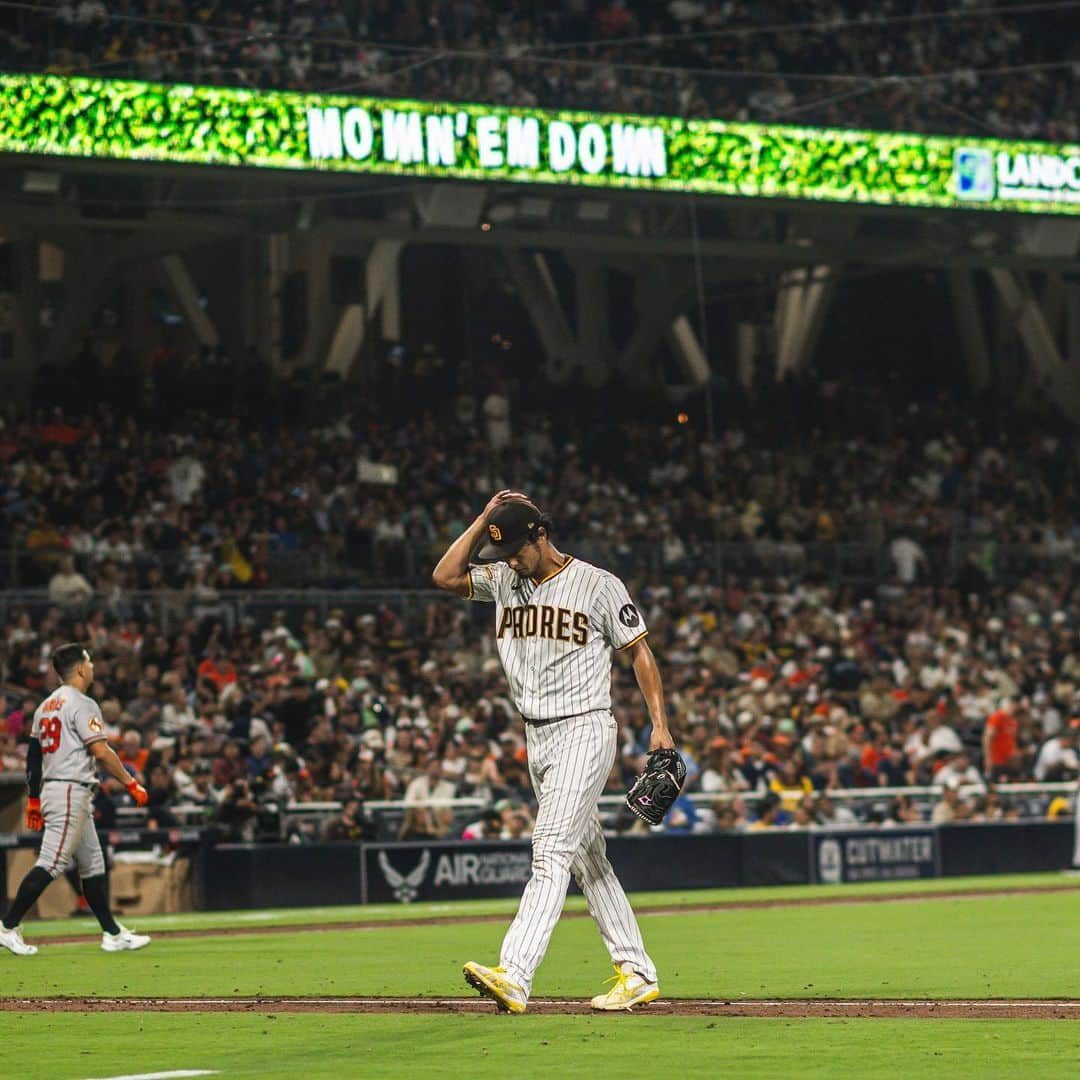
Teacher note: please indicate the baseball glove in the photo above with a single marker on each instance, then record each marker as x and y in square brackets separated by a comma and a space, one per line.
[657, 787]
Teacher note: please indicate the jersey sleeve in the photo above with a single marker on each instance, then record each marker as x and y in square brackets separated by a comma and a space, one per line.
[620, 621]
[35, 726]
[89, 723]
[484, 582]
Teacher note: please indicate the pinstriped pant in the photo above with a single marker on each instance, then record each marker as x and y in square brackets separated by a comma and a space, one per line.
[70, 835]
[569, 762]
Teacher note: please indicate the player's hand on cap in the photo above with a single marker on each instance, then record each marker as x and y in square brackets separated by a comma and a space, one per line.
[34, 821]
[138, 793]
[500, 497]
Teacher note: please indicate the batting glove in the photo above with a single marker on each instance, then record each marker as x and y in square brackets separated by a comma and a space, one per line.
[138, 793]
[34, 821]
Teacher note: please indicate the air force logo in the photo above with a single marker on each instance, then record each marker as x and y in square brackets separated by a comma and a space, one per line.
[406, 886]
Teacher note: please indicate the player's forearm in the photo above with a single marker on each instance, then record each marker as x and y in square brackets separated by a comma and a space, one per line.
[652, 690]
[455, 563]
[110, 762]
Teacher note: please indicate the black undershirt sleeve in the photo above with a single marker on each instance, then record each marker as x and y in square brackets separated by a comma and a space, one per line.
[33, 769]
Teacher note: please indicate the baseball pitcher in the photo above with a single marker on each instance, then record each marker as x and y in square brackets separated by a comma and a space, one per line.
[557, 622]
[67, 744]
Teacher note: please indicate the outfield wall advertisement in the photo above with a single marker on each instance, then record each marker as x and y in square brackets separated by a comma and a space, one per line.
[123, 120]
[874, 855]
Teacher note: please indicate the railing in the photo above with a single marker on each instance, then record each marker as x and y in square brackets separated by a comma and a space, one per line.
[409, 565]
[305, 820]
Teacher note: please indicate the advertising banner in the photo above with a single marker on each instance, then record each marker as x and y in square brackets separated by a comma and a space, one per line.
[407, 872]
[873, 855]
[228, 126]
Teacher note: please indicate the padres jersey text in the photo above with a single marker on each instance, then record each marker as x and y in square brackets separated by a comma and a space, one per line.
[65, 724]
[556, 637]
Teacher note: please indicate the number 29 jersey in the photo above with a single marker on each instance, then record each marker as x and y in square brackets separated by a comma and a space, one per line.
[556, 637]
[65, 724]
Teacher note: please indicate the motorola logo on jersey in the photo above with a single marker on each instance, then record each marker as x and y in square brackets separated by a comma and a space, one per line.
[628, 615]
[544, 621]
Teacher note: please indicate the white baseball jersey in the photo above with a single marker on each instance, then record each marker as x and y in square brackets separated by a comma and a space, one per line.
[65, 724]
[556, 637]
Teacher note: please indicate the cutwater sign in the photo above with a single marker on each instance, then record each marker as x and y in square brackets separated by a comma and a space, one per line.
[409, 872]
[874, 855]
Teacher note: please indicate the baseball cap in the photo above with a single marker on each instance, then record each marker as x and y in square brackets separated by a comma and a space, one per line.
[508, 527]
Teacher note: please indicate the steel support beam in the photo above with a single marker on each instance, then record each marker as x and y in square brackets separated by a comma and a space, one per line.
[684, 343]
[801, 306]
[535, 286]
[382, 289]
[659, 295]
[187, 296]
[1060, 381]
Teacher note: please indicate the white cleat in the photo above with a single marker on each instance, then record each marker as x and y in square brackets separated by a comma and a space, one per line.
[630, 989]
[125, 941]
[13, 942]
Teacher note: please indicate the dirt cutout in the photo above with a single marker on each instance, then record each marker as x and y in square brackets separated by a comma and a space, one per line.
[798, 1008]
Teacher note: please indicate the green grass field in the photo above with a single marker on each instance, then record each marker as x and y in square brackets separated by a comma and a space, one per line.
[1021, 946]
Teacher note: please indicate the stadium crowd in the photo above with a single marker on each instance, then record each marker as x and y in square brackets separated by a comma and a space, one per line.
[979, 68]
[780, 692]
[94, 507]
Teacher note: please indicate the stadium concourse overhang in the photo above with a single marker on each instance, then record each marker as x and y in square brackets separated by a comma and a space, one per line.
[239, 247]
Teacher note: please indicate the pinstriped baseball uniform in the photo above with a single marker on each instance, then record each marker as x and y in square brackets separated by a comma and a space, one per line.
[66, 724]
[555, 640]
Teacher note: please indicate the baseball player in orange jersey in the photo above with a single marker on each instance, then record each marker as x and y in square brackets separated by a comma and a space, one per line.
[557, 621]
[67, 744]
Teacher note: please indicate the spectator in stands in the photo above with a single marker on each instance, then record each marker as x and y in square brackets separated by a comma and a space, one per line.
[200, 791]
[791, 783]
[769, 814]
[959, 768]
[238, 813]
[68, 589]
[133, 754]
[1000, 742]
[488, 827]
[1058, 759]
[518, 824]
[160, 789]
[952, 806]
[350, 825]
[902, 811]
[720, 774]
[827, 811]
[628, 56]
[423, 820]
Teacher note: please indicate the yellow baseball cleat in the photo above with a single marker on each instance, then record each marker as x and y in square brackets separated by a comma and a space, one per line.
[630, 989]
[493, 983]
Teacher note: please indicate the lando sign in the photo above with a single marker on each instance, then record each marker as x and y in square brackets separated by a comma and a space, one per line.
[873, 855]
[222, 126]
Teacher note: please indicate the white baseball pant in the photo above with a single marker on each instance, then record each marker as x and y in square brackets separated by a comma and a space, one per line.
[70, 836]
[569, 762]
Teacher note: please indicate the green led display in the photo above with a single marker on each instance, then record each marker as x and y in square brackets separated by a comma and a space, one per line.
[96, 118]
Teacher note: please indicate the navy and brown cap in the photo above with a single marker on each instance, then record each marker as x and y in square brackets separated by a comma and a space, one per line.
[508, 527]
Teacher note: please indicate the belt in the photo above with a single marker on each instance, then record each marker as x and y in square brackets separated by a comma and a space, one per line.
[557, 719]
[65, 780]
